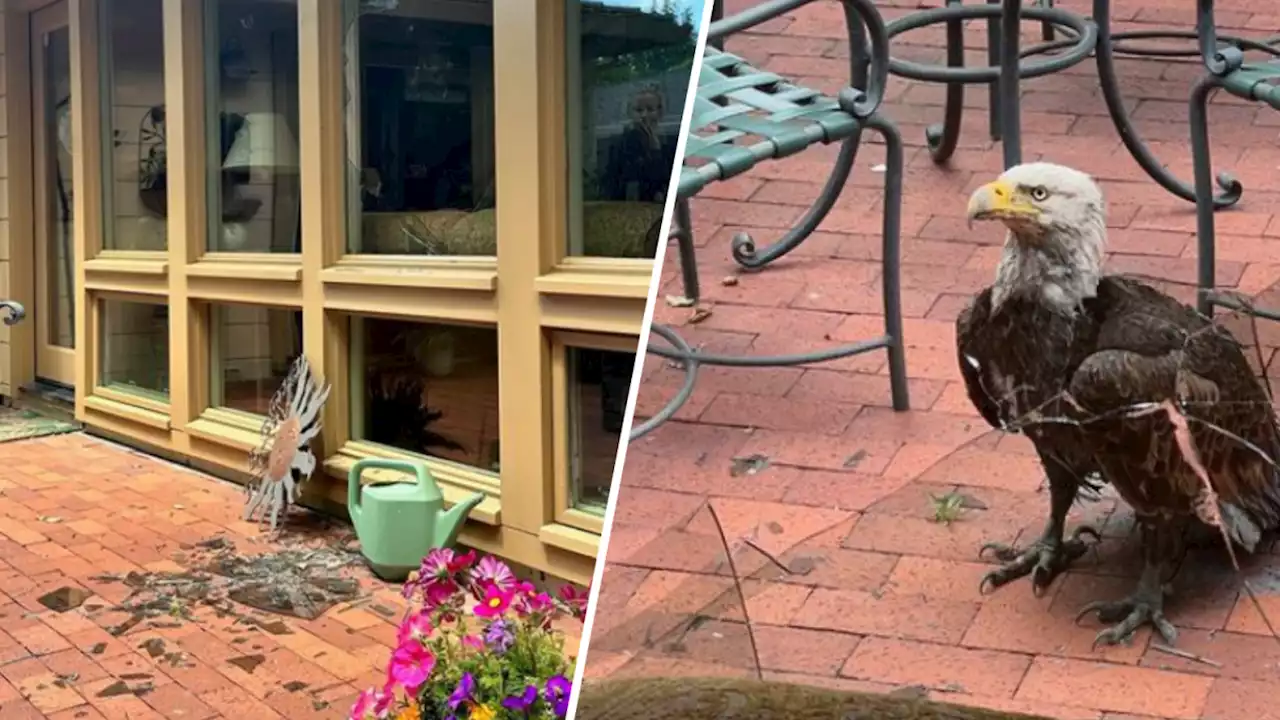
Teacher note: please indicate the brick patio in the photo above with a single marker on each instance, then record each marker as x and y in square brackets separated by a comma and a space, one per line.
[883, 596]
[73, 508]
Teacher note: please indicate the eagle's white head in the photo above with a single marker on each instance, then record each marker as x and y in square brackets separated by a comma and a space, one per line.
[1057, 224]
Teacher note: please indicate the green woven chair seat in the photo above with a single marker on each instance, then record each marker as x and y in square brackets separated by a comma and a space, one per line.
[743, 116]
[1255, 81]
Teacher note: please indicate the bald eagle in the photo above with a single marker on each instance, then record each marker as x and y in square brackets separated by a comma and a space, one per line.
[1096, 370]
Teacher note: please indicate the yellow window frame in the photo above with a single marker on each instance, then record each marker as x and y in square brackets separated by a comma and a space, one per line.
[531, 290]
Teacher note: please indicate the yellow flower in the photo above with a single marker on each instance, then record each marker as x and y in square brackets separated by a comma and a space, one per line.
[410, 712]
[483, 712]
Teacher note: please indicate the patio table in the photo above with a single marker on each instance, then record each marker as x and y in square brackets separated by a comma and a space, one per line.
[743, 116]
[1081, 37]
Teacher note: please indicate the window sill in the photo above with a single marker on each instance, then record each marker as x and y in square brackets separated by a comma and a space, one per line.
[99, 402]
[114, 262]
[581, 520]
[139, 400]
[456, 483]
[570, 539]
[257, 266]
[227, 428]
[133, 273]
[596, 282]
[469, 274]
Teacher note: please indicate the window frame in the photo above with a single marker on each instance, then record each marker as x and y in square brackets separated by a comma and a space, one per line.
[105, 67]
[564, 424]
[228, 414]
[545, 296]
[136, 407]
[211, 88]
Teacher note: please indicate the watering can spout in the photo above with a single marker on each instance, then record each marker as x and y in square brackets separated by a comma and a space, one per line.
[450, 521]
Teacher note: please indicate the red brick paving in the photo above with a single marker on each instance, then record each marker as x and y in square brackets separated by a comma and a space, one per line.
[883, 596]
[74, 507]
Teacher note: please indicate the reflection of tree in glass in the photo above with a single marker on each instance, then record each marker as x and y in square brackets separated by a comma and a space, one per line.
[654, 43]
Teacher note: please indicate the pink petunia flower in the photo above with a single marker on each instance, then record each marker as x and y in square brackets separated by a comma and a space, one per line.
[494, 603]
[372, 703]
[472, 641]
[415, 628]
[411, 665]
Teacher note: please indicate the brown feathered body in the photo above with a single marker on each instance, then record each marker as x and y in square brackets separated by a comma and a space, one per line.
[722, 698]
[1087, 389]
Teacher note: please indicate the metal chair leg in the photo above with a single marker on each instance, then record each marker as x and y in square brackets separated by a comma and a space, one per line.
[1203, 169]
[682, 229]
[891, 262]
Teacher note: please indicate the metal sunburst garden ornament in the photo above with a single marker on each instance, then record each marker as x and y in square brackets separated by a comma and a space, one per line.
[293, 421]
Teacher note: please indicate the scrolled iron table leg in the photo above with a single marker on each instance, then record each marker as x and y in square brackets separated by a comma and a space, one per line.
[1011, 82]
[1004, 74]
[688, 358]
[942, 137]
[993, 88]
[1046, 29]
[1109, 81]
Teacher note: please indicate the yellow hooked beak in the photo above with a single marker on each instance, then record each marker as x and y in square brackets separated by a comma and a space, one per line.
[1001, 201]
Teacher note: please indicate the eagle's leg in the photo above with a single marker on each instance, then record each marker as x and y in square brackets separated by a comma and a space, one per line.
[1049, 556]
[1146, 604]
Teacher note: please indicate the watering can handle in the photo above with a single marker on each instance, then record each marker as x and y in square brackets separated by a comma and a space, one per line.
[418, 469]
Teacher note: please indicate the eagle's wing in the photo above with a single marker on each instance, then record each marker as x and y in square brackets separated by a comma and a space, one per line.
[968, 353]
[1151, 349]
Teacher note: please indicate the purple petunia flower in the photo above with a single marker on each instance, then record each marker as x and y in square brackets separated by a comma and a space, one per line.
[464, 692]
[522, 702]
[557, 693]
[499, 636]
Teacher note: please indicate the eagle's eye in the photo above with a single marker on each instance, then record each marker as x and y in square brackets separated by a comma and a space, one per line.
[1039, 193]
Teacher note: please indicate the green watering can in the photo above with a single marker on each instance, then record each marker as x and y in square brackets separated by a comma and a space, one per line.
[399, 523]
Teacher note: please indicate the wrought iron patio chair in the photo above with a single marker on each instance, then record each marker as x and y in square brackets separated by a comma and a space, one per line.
[743, 116]
[1256, 81]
